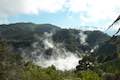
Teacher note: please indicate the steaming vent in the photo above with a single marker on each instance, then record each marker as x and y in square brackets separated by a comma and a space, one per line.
[45, 52]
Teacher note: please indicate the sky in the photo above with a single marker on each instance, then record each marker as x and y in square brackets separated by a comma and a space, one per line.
[80, 14]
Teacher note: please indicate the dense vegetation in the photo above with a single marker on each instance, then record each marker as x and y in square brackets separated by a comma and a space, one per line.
[12, 67]
[103, 64]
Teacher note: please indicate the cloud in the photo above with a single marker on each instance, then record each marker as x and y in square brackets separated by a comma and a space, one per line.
[95, 11]
[15, 7]
[3, 19]
[91, 12]
[10, 8]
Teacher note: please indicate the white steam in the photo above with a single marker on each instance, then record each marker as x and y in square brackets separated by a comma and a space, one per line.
[48, 43]
[83, 38]
[62, 63]
[53, 54]
[95, 47]
[45, 52]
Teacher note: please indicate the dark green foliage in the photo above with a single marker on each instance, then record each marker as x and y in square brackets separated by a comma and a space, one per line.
[111, 66]
[68, 38]
[87, 63]
[33, 72]
[110, 76]
[107, 49]
[10, 63]
[13, 68]
[41, 28]
[104, 64]
[89, 75]
[96, 37]
[106, 52]
[22, 34]
[105, 58]
[71, 40]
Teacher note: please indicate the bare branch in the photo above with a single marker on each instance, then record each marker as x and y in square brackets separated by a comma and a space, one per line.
[118, 18]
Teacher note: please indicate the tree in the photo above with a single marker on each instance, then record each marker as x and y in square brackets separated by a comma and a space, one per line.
[87, 63]
[89, 75]
[116, 21]
[10, 63]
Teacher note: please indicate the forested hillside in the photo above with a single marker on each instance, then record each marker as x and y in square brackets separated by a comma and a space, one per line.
[46, 52]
